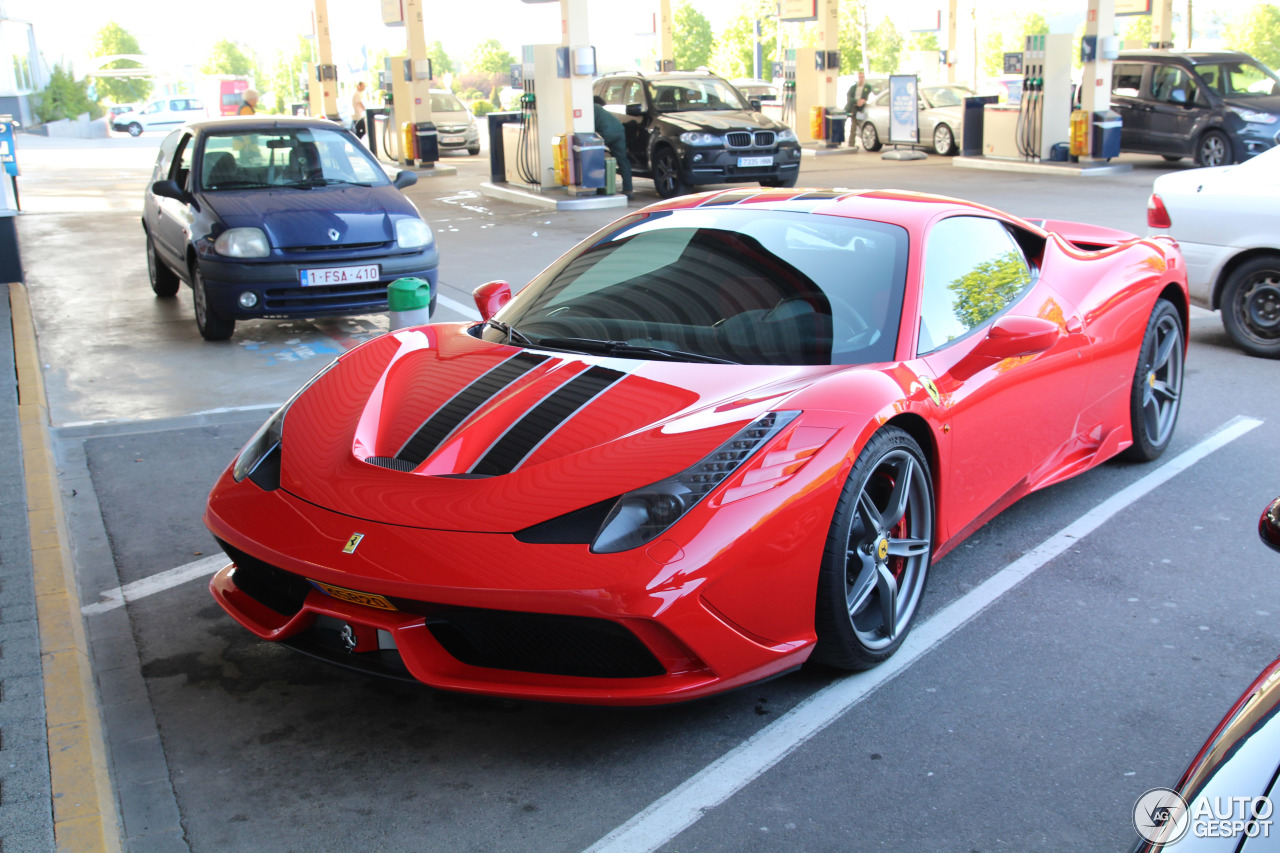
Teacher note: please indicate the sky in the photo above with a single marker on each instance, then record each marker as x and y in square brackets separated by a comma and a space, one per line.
[66, 29]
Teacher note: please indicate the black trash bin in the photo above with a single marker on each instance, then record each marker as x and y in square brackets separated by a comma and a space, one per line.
[1106, 134]
[974, 111]
[588, 158]
[428, 144]
[835, 127]
[497, 157]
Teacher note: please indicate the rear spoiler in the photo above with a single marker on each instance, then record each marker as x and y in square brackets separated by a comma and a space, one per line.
[1091, 238]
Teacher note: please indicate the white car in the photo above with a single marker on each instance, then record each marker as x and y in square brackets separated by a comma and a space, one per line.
[1227, 221]
[160, 114]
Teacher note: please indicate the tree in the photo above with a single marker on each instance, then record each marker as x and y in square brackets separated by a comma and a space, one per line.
[691, 35]
[884, 45]
[924, 41]
[988, 288]
[228, 58]
[1139, 30]
[850, 39]
[1257, 33]
[114, 39]
[490, 57]
[288, 75]
[65, 97]
[735, 48]
[441, 64]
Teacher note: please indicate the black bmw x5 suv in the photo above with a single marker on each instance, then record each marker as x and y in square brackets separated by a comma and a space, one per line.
[690, 128]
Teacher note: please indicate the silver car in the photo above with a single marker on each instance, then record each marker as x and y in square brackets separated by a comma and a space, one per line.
[941, 118]
[455, 125]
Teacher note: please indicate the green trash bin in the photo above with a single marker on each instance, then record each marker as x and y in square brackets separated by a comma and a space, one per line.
[409, 302]
[610, 176]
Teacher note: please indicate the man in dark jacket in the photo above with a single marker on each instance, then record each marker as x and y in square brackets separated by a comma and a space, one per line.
[855, 102]
[615, 137]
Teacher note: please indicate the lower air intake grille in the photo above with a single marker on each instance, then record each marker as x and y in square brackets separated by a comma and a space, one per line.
[542, 643]
[573, 528]
[391, 462]
[282, 591]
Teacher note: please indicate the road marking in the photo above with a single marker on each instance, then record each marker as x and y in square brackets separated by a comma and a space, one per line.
[468, 311]
[670, 815]
[113, 598]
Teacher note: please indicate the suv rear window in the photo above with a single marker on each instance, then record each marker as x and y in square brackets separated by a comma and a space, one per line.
[1126, 79]
[1239, 79]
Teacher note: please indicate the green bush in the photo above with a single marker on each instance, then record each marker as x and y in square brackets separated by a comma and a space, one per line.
[482, 107]
[65, 97]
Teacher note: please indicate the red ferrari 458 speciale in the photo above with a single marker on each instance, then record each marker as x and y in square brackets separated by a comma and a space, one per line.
[724, 435]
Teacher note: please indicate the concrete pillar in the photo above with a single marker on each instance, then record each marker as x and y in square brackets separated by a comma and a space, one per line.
[666, 42]
[950, 44]
[1095, 77]
[829, 41]
[579, 115]
[327, 89]
[420, 102]
[1161, 23]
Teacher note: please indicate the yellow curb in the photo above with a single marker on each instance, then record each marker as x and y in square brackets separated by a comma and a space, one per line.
[85, 819]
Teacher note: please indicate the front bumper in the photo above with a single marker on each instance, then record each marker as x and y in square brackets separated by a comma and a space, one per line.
[485, 613]
[451, 141]
[278, 285]
[720, 165]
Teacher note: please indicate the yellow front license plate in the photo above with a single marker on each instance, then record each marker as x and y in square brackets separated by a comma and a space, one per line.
[367, 599]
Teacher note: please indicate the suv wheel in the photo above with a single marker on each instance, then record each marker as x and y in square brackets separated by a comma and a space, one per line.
[667, 179]
[1214, 149]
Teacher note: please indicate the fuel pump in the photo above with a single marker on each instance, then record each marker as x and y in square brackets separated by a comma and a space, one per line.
[547, 72]
[1044, 114]
[527, 146]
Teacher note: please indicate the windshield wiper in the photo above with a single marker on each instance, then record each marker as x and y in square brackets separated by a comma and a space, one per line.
[623, 348]
[238, 185]
[510, 331]
[321, 182]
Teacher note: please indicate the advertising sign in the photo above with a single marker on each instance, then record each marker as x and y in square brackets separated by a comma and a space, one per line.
[797, 10]
[8, 152]
[904, 116]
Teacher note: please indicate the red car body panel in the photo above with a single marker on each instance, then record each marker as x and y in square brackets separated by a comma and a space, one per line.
[725, 596]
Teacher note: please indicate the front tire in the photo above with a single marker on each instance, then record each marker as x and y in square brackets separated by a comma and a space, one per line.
[212, 325]
[164, 282]
[877, 556]
[134, 129]
[1156, 394]
[1251, 306]
[870, 139]
[944, 141]
[1214, 149]
[667, 178]
[474, 151]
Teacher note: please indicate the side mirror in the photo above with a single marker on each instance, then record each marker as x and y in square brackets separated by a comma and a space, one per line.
[490, 297]
[169, 189]
[1269, 525]
[1008, 337]
[405, 178]
[1178, 96]
[755, 104]
[635, 109]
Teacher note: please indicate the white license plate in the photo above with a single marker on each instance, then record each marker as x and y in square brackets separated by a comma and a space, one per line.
[340, 275]
[744, 162]
[453, 140]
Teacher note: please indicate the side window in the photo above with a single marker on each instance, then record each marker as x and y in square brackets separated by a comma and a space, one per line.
[194, 104]
[612, 93]
[182, 161]
[1126, 79]
[1212, 76]
[973, 270]
[153, 108]
[1167, 81]
[165, 158]
[631, 93]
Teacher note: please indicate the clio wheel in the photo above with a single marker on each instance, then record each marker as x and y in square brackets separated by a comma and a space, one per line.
[212, 325]
[1156, 395]
[877, 555]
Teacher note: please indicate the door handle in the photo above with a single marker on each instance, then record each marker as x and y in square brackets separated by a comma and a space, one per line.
[1074, 326]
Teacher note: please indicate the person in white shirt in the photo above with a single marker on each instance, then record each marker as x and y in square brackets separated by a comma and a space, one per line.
[357, 109]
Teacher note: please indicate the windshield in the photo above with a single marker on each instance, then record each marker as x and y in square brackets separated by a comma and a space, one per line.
[946, 96]
[1240, 79]
[694, 93]
[286, 156]
[747, 286]
[445, 102]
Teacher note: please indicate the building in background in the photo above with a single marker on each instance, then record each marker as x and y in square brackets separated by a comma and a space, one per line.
[22, 72]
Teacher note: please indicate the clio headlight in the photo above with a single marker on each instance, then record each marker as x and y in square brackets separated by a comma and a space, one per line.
[644, 514]
[413, 233]
[265, 443]
[242, 243]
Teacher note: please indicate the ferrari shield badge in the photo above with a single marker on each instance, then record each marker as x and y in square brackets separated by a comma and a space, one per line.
[931, 389]
[353, 543]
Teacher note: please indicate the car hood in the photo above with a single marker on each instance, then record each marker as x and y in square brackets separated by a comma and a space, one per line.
[311, 217]
[1257, 103]
[431, 427]
[451, 118]
[722, 120]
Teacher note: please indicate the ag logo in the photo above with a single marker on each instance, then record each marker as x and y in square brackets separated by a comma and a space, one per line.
[353, 543]
[1160, 816]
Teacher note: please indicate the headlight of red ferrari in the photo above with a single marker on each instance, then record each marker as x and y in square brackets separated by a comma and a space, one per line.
[644, 514]
[266, 440]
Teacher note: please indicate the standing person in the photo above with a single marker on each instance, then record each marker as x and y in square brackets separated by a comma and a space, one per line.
[614, 136]
[250, 104]
[855, 104]
[357, 110]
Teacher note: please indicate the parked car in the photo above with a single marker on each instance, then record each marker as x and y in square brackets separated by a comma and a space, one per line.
[116, 110]
[689, 128]
[456, 128]
[757, 90]
[941, 118]
[279, 217]
[613, 488]
[1219, 108]
[1224, 801]
[160, 114]
[1227, 221]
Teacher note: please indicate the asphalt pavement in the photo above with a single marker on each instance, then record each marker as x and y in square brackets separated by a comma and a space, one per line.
[1048, 688]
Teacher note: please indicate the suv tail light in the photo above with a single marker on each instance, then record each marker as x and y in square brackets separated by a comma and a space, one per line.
[1157, 215]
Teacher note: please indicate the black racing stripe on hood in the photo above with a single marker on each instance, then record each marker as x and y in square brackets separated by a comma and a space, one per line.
[528, 433]
[450, 416]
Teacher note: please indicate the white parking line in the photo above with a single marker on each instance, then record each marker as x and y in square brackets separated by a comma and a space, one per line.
[677, 811]
[113, 598]
[468, 311]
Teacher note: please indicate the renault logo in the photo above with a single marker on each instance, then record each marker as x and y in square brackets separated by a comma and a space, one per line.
[334, 235]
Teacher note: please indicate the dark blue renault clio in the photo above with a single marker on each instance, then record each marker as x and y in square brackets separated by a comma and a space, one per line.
[279, 217]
